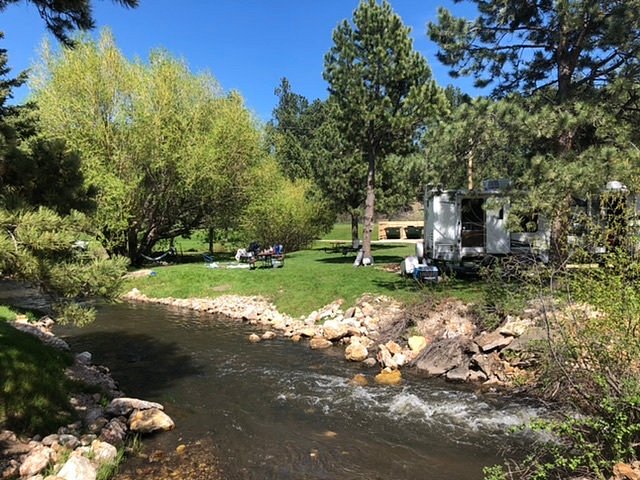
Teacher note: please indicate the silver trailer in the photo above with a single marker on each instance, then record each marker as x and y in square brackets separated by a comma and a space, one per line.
[464, 230]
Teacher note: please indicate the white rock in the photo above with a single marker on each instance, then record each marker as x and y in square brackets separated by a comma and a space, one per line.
[36, 460]
[77, 468]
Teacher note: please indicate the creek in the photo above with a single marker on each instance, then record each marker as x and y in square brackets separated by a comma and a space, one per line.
[278, 410]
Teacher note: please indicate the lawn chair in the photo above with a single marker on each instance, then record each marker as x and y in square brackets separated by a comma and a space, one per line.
[278, 255]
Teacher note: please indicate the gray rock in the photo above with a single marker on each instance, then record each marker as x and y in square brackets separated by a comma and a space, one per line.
[458, 374]
[50, 439]
[68, 440]
[125, 405]
[84, 358]
[444, 355]
[489, 364]
[114, 432]
[491, 341]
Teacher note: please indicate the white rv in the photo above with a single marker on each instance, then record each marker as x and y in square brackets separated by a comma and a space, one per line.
[466, 229]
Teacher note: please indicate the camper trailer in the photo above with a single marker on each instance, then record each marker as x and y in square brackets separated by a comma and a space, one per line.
[466, 229]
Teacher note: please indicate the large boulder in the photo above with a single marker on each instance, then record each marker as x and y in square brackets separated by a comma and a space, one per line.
[334, 330]
[125, 405]
[152, 420]
[491, 341]
[77, 468]
[444, 355]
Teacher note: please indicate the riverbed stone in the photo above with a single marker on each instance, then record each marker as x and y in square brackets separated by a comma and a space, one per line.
[334, 330]
[114, 432]
[515, 327]
[417, 343]
[359, 380]
[103, 452]
[393, 347]
[492, 340]
[151, 420]
[443, 355]
[458, 374]
[125, 405]
[389, 376]
[269, 335]
[319, 343]
[253, 338]
[308, 332]
[77, 468]
[356, 352]
[36, 461]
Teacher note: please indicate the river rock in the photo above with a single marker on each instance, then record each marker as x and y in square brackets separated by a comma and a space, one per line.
[114, 432]
[356, 352]
[269, 335]
[491, 341]
[103, 452]
[152, 420]
[443, 355]
[69, 441]
[318, 343]
[490, 364]
[296, 338]
[359, 380]
[37, 460]
[389, 377]
[308, 332]
[77, 468]
[253, 338]
[515, 327]
[458, 374]
[393, 347]
[126, 405]
[417, 343]
[385, 358]
[350, 312]
[334, 330]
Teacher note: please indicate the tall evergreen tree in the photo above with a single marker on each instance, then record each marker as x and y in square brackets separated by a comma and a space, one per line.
[383, 89]
[526, 46]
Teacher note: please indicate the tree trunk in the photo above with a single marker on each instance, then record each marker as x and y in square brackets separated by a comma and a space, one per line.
[369, 203]
[355, 221]
[132, 246]
[210, 238]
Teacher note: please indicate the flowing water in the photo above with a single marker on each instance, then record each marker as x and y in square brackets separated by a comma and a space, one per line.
[278, 410]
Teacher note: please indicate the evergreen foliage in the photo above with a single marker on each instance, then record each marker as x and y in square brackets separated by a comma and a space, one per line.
[383, 90]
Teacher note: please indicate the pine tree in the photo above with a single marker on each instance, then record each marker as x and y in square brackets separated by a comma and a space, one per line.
[383, 89]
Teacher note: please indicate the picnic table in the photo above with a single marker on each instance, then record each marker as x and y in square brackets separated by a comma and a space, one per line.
[342, 247]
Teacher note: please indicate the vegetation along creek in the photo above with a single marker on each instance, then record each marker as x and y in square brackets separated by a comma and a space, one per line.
[278, 410]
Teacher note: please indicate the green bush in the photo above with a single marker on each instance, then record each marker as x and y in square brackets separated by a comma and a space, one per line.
[283, 211]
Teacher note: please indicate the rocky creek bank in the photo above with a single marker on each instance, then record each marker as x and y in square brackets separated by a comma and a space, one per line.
[380, 332]
[105, 422]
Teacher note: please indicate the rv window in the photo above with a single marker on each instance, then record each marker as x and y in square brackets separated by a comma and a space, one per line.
[529, 223]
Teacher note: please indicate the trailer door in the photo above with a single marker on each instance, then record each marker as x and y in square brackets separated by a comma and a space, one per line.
[498, 238]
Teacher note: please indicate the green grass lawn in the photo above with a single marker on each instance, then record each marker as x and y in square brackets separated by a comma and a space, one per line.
[34, 390]
[342, 231]
[309, 280]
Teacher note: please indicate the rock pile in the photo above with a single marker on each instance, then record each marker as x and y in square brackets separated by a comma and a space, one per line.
[77, 451]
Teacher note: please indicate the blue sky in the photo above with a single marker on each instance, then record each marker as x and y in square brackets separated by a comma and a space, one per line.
[248, 45]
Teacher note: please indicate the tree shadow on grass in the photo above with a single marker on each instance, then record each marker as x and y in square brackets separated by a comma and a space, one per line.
[143, 366]
[378, 259]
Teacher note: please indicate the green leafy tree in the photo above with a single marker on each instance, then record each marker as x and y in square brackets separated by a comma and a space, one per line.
[383, 89]
[166, 151]
[284, 211]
